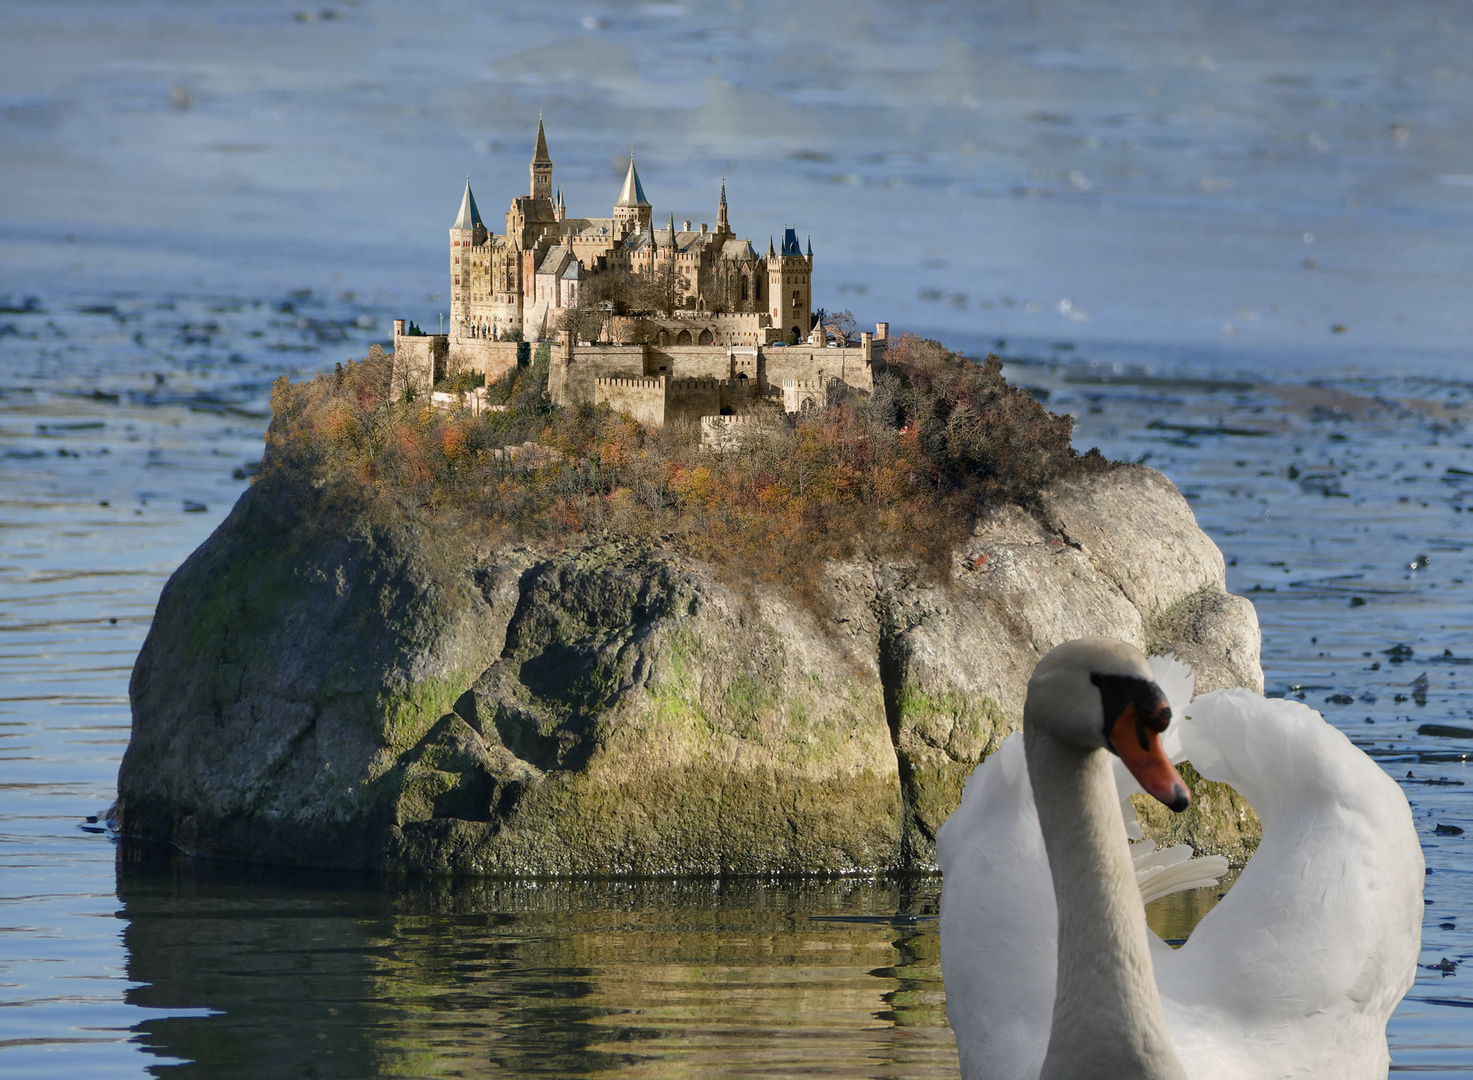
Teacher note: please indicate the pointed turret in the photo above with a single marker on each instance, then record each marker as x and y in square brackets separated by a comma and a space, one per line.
[469, 217]
[632, 211]
[721, 224]
[771, 251]
[541, 167]
[632, 193]
[810, 248]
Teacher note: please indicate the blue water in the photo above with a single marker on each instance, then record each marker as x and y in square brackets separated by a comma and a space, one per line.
[198, 199]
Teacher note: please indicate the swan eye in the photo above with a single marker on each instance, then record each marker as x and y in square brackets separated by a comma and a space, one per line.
[1119, 693]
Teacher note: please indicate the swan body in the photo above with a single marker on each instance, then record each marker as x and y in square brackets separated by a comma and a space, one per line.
[1049, 967]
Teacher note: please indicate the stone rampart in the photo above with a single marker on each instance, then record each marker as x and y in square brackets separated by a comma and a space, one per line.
[694, 398]
[492, 359]
[799, 362]
[420, 361]
[729, 432]
[692, 361]
[801, 395]
[642, 398]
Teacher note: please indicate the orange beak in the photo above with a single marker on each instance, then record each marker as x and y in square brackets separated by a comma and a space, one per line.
[1138, 743]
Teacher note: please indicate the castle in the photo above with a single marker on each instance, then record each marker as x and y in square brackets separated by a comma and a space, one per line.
[714, 329]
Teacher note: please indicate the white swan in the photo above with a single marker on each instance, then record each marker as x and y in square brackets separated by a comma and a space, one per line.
[1294, 973]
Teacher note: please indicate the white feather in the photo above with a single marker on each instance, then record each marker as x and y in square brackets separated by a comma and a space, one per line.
[1294, 973]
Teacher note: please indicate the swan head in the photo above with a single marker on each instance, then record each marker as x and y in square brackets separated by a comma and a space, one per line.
[1098, 693]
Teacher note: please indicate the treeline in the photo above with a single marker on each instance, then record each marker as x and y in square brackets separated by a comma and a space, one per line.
[902, 472]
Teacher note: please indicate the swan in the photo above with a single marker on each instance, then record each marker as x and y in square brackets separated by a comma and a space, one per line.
[1049, 967]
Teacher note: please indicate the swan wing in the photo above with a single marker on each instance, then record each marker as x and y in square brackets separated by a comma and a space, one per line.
[1298, 969]
[999, 921]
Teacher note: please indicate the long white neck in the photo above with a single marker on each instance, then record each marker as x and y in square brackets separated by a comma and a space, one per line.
[1107, 1019]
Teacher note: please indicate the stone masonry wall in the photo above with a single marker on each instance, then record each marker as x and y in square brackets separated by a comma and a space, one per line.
[642, 398]
[492, 359]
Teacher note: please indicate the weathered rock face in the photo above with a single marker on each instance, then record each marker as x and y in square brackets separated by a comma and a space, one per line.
[340, 690]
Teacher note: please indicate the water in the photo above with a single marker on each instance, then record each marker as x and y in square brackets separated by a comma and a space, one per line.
[1139, 202]
[120, 961]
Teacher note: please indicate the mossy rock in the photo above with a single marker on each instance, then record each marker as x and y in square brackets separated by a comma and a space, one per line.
[1219, 821]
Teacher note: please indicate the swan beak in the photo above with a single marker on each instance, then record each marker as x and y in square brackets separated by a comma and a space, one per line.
[1137, 741]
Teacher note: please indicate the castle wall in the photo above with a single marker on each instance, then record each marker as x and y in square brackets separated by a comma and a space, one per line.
[419, 361]
[729, 432]
[492, 359]
[809, 362]
[691, 399]
[692, 361]
[728, 328]
[642, 398]
[588, 363]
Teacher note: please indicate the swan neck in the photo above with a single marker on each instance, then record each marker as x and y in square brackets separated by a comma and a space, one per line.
[1107, 1019]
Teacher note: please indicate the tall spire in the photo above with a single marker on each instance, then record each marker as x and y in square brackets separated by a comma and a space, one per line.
[540, 155]
[810, 247]
[541, 166]
[770, 250]
[632, 193]
[469, 217]
[672, 228]
[721, 224]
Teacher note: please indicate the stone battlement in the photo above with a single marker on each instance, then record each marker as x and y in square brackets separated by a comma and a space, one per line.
[610, 382]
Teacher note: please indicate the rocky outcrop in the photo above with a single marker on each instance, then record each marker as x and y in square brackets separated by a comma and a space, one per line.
[345, 689]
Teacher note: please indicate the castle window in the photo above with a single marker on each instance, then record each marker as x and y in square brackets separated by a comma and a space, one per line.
[745, 288]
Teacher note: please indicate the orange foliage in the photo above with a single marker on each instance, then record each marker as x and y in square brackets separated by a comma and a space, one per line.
[904, 472]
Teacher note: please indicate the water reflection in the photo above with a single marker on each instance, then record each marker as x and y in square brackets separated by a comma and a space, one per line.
[348, 976]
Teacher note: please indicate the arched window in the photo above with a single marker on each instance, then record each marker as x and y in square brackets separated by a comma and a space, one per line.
[683, 338]
[705, 338]
[757, 288]
[746, 287]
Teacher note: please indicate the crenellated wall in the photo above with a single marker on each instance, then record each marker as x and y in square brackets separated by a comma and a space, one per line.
[642, 398]
[659, 383]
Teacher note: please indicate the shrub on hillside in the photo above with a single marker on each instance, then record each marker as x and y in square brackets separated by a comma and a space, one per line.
[902, 472]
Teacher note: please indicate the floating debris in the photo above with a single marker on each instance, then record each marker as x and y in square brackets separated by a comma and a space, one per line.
[1445, 731]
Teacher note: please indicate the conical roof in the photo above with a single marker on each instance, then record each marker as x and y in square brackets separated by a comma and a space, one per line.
[540, 155]
[469, 217]
[722, 202]
[633, 191]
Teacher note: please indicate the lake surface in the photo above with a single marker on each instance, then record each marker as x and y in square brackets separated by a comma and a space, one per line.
[1231, 239]
[128, 427]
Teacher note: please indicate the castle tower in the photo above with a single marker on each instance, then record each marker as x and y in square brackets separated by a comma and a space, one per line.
[466, 234]
[541, 167]
[559, 208]
[789, 287]
[722, 226]
[633, 211]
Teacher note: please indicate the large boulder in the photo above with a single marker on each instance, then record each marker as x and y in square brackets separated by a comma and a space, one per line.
[353, 688]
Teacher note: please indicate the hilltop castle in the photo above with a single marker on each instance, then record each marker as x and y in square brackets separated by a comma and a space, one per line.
[722, 330]
[542, 265]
